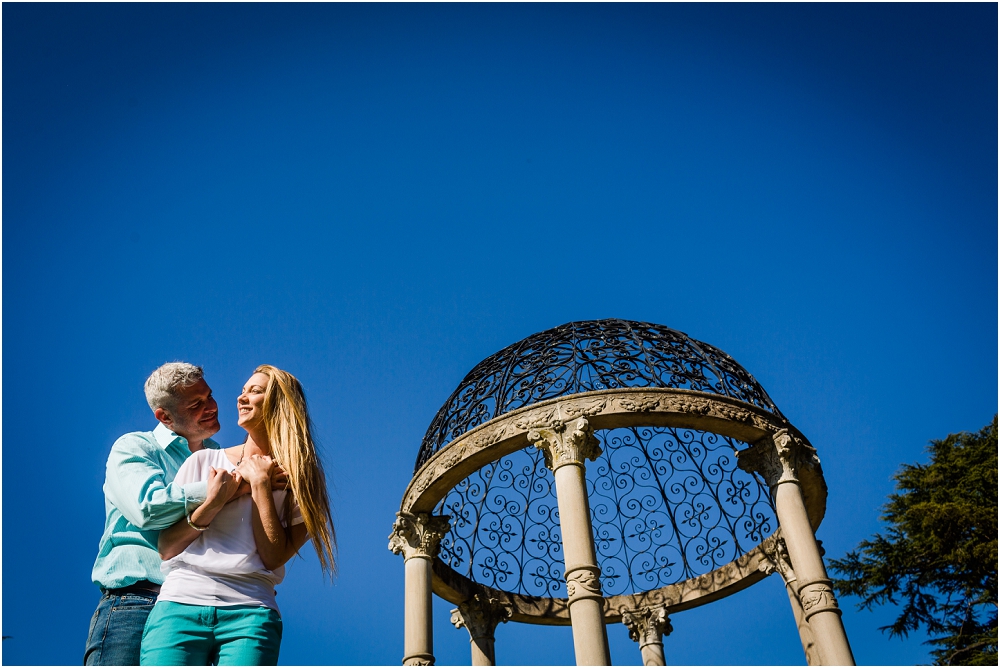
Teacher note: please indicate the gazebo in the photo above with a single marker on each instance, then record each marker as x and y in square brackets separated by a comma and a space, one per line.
[607, 472]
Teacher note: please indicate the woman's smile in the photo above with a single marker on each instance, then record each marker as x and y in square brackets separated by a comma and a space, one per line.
[251, 398]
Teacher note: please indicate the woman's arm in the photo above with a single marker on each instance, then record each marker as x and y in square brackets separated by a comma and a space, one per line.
[275, 544]
[222, 486]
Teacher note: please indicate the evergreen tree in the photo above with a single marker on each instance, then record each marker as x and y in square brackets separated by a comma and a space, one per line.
[938, 557]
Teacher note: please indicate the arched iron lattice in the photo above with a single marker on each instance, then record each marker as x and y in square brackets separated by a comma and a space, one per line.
[667, 505]
[582, 357]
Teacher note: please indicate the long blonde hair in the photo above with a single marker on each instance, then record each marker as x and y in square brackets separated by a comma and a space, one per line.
[289, 430]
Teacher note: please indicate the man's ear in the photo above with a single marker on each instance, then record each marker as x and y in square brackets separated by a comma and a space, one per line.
[164, 417]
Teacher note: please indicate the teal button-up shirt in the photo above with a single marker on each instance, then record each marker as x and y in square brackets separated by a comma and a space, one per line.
[140, 499]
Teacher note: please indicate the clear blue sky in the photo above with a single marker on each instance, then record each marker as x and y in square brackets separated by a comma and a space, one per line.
[376, 197]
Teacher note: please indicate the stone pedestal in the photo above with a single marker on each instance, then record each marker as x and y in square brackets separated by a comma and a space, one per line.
[566, 447]
[417, 537]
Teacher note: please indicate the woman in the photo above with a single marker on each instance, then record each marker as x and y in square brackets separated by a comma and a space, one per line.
[217, 604]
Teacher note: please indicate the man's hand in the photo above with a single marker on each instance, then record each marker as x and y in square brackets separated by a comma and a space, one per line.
[279, 478]
[221, 486]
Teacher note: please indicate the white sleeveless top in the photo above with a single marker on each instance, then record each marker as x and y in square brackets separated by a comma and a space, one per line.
[221, 567]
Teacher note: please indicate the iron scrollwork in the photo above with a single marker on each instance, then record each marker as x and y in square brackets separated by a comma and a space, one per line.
[586, 356]
[667, 505]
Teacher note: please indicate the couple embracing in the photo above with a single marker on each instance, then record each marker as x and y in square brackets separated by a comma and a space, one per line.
[196, 536]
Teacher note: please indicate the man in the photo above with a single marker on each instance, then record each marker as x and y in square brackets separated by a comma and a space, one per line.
[140, 500]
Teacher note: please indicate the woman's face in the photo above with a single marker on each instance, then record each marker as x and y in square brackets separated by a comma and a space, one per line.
[251, 400]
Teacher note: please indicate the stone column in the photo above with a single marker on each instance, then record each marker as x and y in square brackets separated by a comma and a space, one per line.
[778, 460]
[777, 562]
[647, 626]
[480, 616]
[565, 450]
[417, 537]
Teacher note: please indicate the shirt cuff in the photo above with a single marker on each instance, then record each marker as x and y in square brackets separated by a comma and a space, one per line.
[195, 494]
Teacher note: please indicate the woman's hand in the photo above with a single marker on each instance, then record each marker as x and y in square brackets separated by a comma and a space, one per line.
[257, 470]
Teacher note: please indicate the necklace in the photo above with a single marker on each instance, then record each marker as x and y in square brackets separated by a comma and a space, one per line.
[242, 452]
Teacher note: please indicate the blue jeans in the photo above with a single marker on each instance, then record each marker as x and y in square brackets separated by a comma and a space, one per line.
[116, 629]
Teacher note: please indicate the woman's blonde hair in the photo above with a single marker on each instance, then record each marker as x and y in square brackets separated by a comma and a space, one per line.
[289, 430]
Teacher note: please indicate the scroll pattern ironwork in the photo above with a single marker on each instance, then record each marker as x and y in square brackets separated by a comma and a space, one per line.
[505, 526]
[586, 356]
[667, 505]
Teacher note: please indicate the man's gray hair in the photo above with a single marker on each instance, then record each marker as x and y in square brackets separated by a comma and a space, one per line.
[162, 384]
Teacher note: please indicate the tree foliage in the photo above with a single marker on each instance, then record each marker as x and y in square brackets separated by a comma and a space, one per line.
[938, 557]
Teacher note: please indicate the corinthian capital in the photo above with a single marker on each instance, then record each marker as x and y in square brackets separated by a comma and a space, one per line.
[776, 560]
[480, 616]
[418, 535]
[777, 458]
[566, 445]
[647, 625]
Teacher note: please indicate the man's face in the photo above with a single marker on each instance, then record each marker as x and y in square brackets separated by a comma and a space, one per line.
[195, 415]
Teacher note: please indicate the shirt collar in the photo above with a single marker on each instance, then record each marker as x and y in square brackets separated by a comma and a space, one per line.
[165, 438]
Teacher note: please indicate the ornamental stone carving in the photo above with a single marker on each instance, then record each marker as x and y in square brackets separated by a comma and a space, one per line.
[777, 459]
[537, 418]
[480, 616]
[564, 445]
[583, 582]
[817, 597]
[575, 409]
[647, 625]
[688, 405]
[418, 535]
[640, 403]
[775, 560]
[452, 456]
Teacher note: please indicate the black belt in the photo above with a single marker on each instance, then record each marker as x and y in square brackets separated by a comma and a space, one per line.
[140, 587]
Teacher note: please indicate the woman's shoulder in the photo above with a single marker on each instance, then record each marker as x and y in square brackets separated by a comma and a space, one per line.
[206, 457]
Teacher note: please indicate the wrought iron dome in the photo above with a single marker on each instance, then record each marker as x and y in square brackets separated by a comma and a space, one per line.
[582, 357]
[612, 462]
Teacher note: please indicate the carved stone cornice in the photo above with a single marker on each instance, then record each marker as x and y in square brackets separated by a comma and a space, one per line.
[647, 625]
[480, 616]
[564, 445]
[778, 459]
[776, 560]
[418, 535]
[584, 582]
[817, 597]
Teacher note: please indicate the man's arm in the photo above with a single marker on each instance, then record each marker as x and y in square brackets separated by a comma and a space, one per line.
[135, 485]
[222, 488]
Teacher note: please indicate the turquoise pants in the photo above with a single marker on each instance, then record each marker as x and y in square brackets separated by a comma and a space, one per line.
[177, 634]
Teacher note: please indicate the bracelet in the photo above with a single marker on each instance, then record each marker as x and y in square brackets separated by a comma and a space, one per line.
[195, 526]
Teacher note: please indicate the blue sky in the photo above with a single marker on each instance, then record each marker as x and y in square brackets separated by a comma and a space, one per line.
[376, 197]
